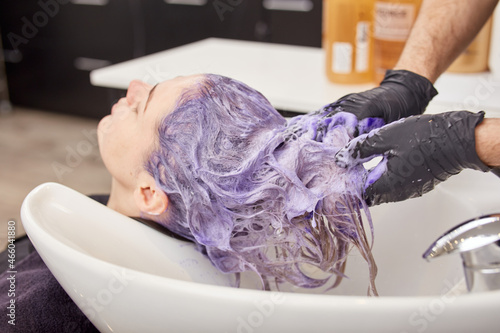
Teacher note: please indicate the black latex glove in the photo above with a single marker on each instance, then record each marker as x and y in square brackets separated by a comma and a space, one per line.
[401, 94]
[418, 153]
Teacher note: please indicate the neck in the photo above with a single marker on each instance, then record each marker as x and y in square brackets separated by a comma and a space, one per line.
[121, 199]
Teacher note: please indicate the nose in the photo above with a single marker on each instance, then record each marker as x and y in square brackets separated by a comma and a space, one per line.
[136, 91]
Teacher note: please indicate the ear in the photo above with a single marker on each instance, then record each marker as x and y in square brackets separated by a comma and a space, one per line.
[149, 198]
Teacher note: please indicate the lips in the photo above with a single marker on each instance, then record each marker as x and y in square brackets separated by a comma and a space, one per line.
[114, 107]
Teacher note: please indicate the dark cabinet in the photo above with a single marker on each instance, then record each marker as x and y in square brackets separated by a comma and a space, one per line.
[295, 22]
[50, 46]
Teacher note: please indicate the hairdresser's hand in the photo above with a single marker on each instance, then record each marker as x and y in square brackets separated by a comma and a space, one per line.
[418, 153]
[401, 94]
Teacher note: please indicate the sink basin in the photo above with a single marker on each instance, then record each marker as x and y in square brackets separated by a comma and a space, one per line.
[127, 277]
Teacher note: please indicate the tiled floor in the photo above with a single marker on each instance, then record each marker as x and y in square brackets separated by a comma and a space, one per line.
[38, 147]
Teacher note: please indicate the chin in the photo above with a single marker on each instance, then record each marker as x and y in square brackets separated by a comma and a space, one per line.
[103, 127]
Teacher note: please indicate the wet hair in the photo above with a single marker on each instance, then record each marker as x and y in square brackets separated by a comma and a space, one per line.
[258, 193]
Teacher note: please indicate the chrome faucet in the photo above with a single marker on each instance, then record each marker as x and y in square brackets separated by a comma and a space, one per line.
[478, 242]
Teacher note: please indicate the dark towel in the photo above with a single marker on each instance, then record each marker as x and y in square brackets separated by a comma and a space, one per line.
[41, 304]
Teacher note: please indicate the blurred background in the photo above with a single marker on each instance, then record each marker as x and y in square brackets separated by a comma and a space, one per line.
[50, 46]
[48, 108]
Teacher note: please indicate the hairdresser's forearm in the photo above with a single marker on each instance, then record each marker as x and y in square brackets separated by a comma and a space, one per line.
[443, 29]
[488, 141]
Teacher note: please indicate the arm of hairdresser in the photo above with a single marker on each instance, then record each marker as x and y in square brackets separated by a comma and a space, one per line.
[441, 32]
[420, 152]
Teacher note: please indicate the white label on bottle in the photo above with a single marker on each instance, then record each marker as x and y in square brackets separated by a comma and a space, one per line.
[342, 57]
[393, 21]
[362, 46]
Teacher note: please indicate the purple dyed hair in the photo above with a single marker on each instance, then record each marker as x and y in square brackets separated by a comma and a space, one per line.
[257, 193]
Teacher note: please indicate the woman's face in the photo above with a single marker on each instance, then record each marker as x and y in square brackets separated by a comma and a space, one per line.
[127, 135]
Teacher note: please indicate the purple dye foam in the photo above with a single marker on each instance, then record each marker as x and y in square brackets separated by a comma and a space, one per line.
[258, 194]
[367, 124]
[375, 173]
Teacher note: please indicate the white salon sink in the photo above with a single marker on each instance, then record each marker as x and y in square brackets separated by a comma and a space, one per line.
[129, 278]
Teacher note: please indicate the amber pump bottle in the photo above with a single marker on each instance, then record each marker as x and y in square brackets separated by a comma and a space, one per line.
[347, 42]
[393, 20]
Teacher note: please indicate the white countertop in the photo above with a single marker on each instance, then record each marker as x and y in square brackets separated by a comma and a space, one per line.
[291, 77]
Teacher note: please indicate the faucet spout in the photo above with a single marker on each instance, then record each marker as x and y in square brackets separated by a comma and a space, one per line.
[478, 242]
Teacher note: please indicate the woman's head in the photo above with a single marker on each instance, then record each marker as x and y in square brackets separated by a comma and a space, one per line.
[256, 193]
[128, 135]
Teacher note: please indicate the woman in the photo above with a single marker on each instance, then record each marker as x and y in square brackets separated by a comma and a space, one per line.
[210, 159]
